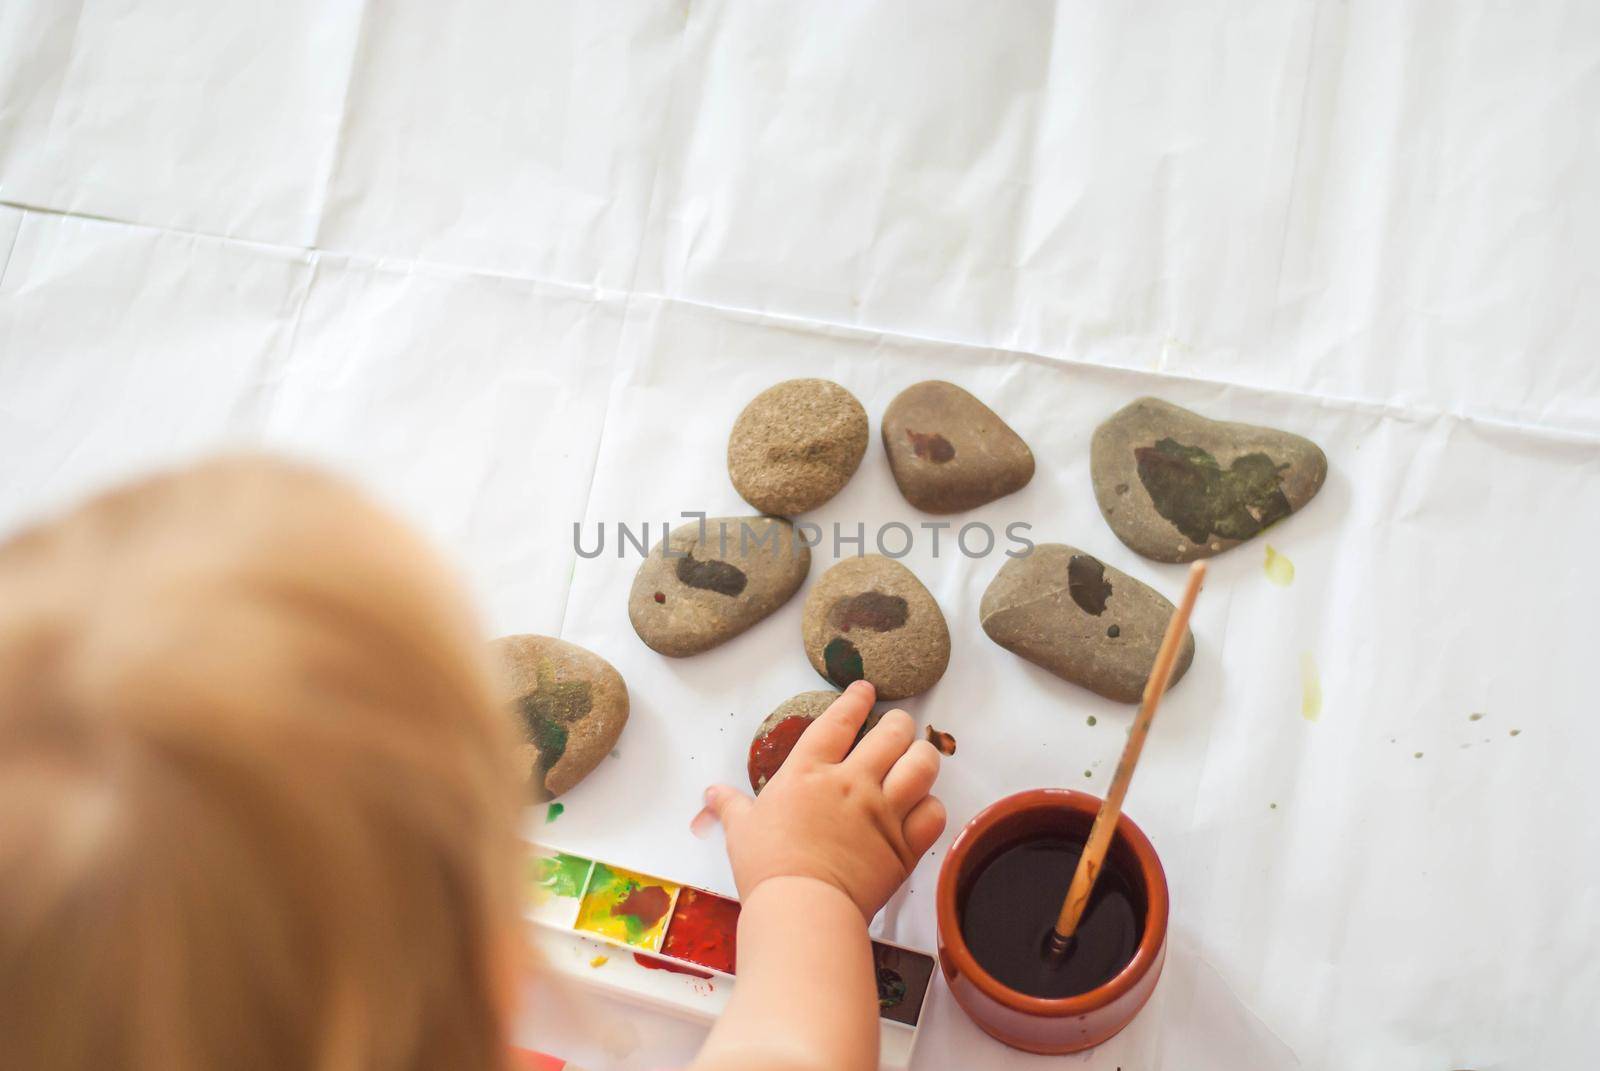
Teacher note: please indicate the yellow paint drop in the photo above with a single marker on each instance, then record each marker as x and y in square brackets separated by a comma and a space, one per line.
[1310, 688]
[599, 961]
[1279, 569]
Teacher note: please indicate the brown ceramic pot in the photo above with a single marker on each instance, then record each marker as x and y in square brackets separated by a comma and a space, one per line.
[1066, 1024]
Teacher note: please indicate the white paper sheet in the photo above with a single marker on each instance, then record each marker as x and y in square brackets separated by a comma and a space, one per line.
[519, 266]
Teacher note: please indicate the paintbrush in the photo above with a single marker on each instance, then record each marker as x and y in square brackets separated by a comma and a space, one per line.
[1105, 822]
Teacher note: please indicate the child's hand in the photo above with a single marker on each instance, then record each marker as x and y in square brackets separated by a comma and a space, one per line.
[858, 820]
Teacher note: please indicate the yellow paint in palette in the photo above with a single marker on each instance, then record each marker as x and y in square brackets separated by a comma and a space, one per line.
[626, 906]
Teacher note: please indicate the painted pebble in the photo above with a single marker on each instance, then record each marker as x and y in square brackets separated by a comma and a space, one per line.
[702, 586]
[949, 452]
[1082, 620]
[871, 618]
[782, 728]
[1175, 486]
[570, 704]
[796, 445]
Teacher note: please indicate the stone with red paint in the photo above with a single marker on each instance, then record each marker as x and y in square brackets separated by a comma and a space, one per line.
[949, 452]
[870, 618]
[777, 735]
[702, 586]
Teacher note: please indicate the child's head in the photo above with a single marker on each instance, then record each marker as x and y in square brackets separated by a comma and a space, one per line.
[256, 805]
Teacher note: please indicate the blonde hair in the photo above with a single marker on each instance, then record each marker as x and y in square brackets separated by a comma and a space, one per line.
[257, 808]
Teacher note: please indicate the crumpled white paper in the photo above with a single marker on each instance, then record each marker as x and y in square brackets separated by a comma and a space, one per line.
[519, 265]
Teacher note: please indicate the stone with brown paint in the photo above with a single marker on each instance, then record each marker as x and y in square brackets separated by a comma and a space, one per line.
[702, 587]
[569, 704]
[796, 445]
[870, 618]
[1176, 486]
[949, 452]
[1083, 620]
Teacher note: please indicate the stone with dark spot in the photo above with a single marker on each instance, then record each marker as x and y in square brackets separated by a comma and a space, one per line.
[569, 704]
[777, 734]
[1031, 609]
[854, 628]
[949, 452]
[1176, 486]
[714, 583]
[711, 575]
[1086, 583]
[869, 609]
[796, 445]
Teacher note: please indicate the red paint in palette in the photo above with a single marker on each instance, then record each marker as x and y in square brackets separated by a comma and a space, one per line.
[704, 928]
[768, 753]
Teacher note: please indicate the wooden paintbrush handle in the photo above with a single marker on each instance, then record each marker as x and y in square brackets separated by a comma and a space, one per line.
[1105, 822]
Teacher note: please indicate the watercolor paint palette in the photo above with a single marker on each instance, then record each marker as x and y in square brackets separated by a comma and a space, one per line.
[672, 946]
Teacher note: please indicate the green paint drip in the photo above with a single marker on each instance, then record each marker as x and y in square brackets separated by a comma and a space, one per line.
[1474, 717]
[1310, 688]
[563, 874]
[1279, 569]
[843, 661]
[1093, 721]
[1200, 497]
[554, 811]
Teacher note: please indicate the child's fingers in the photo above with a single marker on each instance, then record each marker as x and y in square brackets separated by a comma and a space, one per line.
[910, 778]
[884, 744]
[828, 738]
[724, 804]
[923, 826]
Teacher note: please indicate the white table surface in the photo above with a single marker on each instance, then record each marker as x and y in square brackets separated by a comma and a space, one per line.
[518, 265]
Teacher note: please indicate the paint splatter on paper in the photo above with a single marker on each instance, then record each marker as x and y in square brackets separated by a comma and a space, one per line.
[554, 811]
[626, 906]
[1310, 688]
[942, 740]
[1279, 569]
[654, 963]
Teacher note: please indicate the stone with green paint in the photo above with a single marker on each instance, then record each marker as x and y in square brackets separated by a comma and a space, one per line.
[869, 618]
[1176, 486]
[569, 706]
